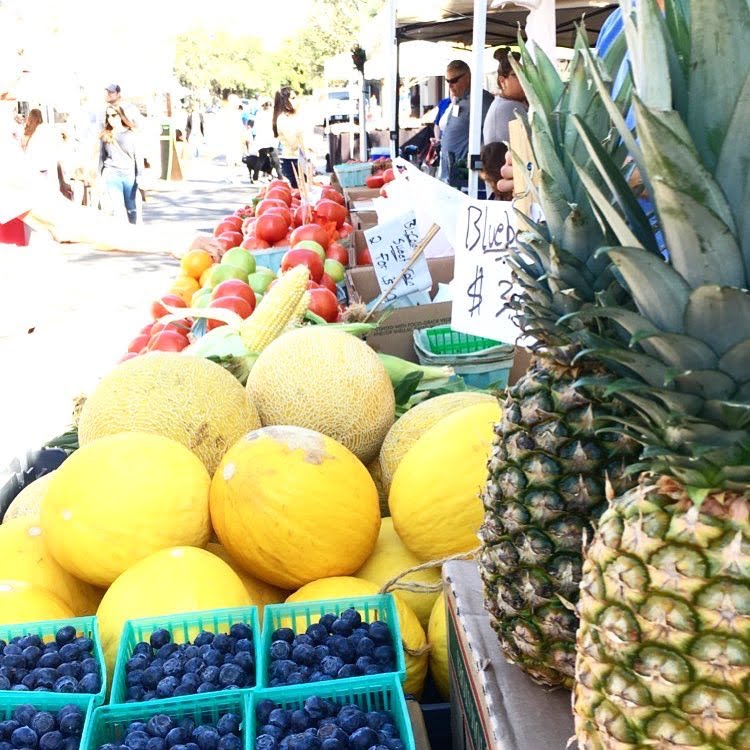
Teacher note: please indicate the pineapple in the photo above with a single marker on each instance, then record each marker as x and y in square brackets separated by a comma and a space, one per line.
[663, 652]
[550, 459]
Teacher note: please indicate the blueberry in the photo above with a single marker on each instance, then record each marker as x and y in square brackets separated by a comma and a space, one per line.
[191, 680]
[71, 669]
[51, 741]
[363, 738]
[13, 649]
[331, 665]
[229, 723]
[374, 669]
[167, 650]
[303, 639]
[318, 633]
[303, 654]
[66, 634]
[85, 644]
[333, 744]
[194, 665]
[222, 643]
[23, 714]
[241, 630]
[282, 669]
[389, 730]
[134, 693]
[90, 666]
[274, 731]
[29, 681]
[280, 717]
[299, 721]
[213, 658]
[244, 644]
[207, 687]
[191, 746]
[265, 742]
[43, 722]
[160, 637]
[341, 627]
[149, 695]
[20, 688]
[352, 617]
[246, 662]
[155, 743]
[316, 707]
[283, 634]
[365, 646]
[50, 660]
[280, 650]
[89, 683]
[230, 742]
[109, 746]
[206, 737]
[166, 687]
[46, 677]
[346, 671]
[134, 678]
[144, 649]
[394, 743]
[182, 690]
[136, 740]
[327, 620]
[263, 711]
[210, 674]
[71, 743]
[7, 728]
[31, 655]
[295, 678]
[137, 726]
[351, 718]
[173, 668]
[379, 632]
[231, 674]
[340, 646]
[4, 683]
[137, 662]
[385, 655]
[356, 636]
[187, 724]
[69, 652]
[159, 725]
[176, 736]
[203, 639]
[24, 737]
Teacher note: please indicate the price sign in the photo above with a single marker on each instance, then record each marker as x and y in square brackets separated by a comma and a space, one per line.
[391, 246]
[482, 284]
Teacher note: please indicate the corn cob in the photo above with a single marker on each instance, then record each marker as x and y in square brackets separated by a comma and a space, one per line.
[275, 309]
[299, 312]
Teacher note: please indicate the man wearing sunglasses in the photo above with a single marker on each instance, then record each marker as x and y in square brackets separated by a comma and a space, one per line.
[455, 136]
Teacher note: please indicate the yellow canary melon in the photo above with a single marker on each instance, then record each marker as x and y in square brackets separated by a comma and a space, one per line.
[28, 501]
[120, 498]
[435, 494]
[391, 557]
[178, 579]
[412, 632]
[25, 556]
[437, 636]
[260, 592]
[20, 601]
[328, 381]
[412, 425]
[291, 505]
[188, 399]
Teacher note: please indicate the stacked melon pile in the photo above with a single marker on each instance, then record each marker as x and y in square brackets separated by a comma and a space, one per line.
[192, 492]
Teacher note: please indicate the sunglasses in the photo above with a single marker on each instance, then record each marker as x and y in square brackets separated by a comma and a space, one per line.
[112, 114]
[451, 81]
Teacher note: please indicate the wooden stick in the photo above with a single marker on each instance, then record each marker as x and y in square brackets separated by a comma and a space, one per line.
[418, 250]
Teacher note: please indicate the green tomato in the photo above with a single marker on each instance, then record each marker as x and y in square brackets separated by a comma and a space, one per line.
[334, 269]
[239, 257]
[316, 247]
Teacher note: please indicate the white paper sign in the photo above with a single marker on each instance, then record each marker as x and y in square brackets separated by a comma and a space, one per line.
[482, 284]
[391, 246]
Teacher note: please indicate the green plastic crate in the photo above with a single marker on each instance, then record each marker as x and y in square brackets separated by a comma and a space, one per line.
[444, 340]
[381, 693]
[109, 723]
[44, 701]
[353, 175]
[183, 627]
[46, 629]
[300, 615]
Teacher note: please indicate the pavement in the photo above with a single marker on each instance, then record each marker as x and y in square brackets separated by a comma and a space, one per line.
[67, 312]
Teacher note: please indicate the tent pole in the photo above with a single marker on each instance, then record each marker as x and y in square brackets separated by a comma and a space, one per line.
[393, 92]
[477, 87]
[541, 27]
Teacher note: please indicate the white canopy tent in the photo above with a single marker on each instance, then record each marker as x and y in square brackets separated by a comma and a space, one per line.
[481, 23]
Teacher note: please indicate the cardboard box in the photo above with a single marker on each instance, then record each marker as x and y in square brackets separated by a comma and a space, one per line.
[494, 705]
[358, 243]
[395, 334]
[364, 219]
[360, 194]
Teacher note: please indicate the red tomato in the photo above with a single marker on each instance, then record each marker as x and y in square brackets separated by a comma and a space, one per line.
[243, 213]
[271, 227]
[147, 328]
[329, 210]
[323, 302]
[363, 257]
[251, 242]
[346, 229]
[303, 214]
[127, 356]
[168, 341]
[333, 195]
[313, 232]
[138, 343]
[157, 307]
[374, 181]
[296, 193]
[303, 258]
[312, 285]
[234, 288]
[267, 203]
[236, 304]
[338, 252]
[278, 182]
[281, 194]
[247, 225]
[228, 240]
[228, 224]
[285, 212]
[328, 283]
[283, 242]
[181, 326]
[388, 175]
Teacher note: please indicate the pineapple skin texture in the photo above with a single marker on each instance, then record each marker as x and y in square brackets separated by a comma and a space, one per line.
[545, 491]
[664, 643]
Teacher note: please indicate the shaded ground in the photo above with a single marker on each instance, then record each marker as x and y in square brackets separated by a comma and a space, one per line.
[83, 307]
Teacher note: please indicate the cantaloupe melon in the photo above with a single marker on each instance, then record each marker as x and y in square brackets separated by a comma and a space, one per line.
[328, 381]
[179, 579]
[188, 399]
[120, 498]
[260, 592]
[412, 425]
[291, 505]
[435, 494]
[25, 556]
[391, 557]
[28, 501]
[437, 636]
[412, 632]
[22, 602]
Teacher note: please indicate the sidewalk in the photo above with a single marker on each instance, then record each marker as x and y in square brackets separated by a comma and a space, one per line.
[85, 306]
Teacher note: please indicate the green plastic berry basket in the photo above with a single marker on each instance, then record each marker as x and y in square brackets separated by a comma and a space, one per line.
[46, 630]
[183, 628]
[109, 723]
[45, 701]
[353, 175]
[382, 693]
[300, 615]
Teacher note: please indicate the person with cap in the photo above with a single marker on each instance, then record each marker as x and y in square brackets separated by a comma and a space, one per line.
[113, 98]
[265, 141]
[455, 136]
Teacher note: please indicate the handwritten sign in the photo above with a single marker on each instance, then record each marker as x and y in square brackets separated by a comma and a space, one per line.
[486, 233]
[391, 246]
